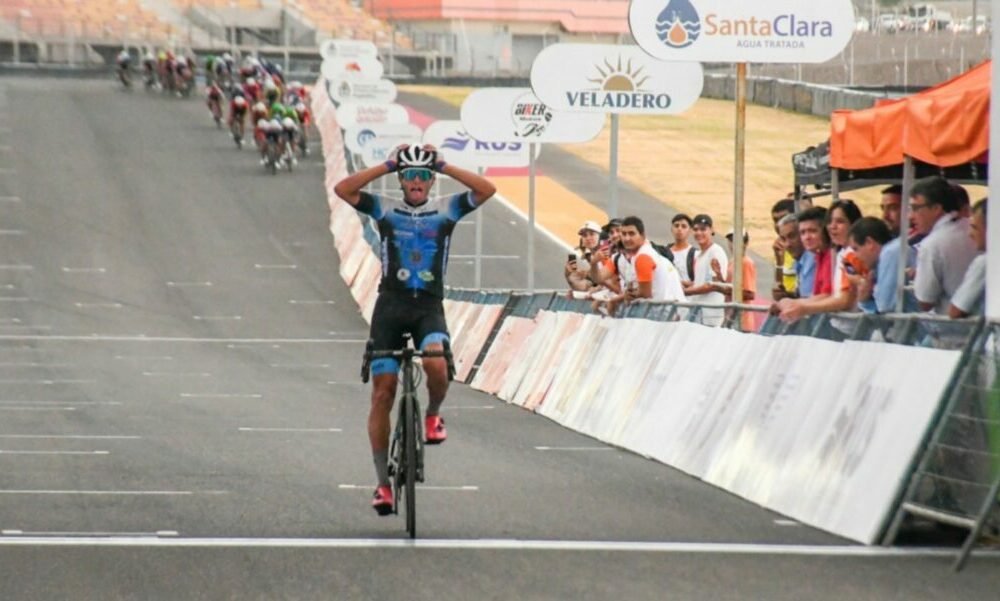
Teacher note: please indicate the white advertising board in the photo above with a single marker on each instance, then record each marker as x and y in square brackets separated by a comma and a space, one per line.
[350, 114]
[372, 91]
[724, 31]
[517, 115]
[601, 78]
[347, 49]
[461, 149]
[375, 143]
[362, 67]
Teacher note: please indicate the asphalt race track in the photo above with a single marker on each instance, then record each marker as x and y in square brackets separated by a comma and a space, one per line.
[181, 415]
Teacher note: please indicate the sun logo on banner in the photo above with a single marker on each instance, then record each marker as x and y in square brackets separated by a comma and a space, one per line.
[679, 24]
[618, 77]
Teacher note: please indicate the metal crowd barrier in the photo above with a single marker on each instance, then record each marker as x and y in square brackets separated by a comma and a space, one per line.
[955, 479]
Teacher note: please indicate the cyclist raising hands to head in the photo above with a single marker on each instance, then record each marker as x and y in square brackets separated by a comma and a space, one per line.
[415, 237]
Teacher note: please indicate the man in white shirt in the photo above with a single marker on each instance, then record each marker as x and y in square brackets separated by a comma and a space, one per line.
[946, 252]
[701, 289]
[644, 272]
[970, 298]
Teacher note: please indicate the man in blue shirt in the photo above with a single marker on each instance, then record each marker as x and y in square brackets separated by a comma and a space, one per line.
[873, 243]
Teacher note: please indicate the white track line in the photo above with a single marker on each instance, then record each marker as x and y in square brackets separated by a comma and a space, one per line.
[60, 403]
[189, 284]
[84, 270]
[303, 430]
[311, 302]
[72, 436]
[465, 488]
[46, 382]
[574, 449]
[158, 533]
[500, 545]
[100, 338]
[179, 374]
[98, 305]
[10, 199]
[220, 395]
[11, 232]
[16, 267]
[37, 408]
[10, 452]
[145, 357]
[218, 317]
[260, 266]
[137, 493]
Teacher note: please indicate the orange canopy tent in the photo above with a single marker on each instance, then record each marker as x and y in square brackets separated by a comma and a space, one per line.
[945, 126]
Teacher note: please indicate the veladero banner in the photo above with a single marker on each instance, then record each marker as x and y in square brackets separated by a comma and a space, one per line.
[355, 89]
[350, 114]
[362, 67]
[517, 115]
[724, 31]
[376, 142]
[461, 149]
[602, 78]
[349, 49]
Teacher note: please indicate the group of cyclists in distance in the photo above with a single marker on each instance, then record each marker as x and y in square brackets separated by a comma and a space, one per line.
[255, 89]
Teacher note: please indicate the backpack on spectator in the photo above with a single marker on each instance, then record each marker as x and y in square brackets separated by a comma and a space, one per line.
[665, 251]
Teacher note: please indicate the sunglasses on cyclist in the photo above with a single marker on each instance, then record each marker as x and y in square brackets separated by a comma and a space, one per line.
[420, 173]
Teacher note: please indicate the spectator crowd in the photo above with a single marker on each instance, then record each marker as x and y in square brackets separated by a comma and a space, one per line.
[827, 259]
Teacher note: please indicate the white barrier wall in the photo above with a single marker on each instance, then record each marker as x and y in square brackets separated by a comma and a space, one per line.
[359, 266]
[821, 431]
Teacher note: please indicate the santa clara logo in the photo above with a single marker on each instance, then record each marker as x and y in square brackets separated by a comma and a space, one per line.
[679, 24]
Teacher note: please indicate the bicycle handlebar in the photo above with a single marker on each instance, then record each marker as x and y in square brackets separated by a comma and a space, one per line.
[406, 354]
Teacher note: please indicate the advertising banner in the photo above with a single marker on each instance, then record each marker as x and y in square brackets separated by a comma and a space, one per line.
[362, 67]
[461, 149]
[376, 142]
[601, 78]
[350, 114]
[517, 115]
[723, 31]
[354, 89]
[350, 49]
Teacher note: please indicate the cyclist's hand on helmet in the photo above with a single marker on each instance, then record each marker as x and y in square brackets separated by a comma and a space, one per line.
[439, 162]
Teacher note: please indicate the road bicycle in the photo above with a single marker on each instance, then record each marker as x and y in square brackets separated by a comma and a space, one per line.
[406, 448]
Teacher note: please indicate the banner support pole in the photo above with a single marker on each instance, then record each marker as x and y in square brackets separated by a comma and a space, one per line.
[738, 188]
[531, 218]
[613, 168]
[479, 243]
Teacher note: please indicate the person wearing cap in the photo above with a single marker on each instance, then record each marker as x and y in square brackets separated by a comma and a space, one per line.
[724, 283]
[701, 289]
[577, 269]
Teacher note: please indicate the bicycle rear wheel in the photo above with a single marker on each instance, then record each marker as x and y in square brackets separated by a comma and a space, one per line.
[410, 462]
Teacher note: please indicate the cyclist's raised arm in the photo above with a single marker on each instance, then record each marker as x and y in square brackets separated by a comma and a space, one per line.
[349, 188]
[482, 188]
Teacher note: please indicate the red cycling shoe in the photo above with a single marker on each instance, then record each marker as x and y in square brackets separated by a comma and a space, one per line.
[434, 430]
[382, 500]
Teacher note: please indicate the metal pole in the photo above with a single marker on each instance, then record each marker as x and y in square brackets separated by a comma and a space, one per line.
[613, 183]
[975, 15]
[284, 35]
[909, 174]
[741, 129]
[17, 40]
[834, 184]
[851, 82]
[479, 243]
[531, 218]
[993, 215]
[906, 66]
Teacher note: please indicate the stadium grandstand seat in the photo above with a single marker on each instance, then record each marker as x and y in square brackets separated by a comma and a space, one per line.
[243, 4]
[341, 19]
[575, 16]
[85, 19]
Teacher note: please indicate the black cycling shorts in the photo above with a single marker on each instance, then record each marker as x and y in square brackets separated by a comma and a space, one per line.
[421, 316]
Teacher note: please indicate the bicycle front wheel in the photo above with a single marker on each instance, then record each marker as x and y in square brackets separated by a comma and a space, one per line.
[410, 462]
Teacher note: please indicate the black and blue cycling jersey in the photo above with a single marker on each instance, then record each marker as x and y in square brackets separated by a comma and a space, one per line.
[415, 240]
